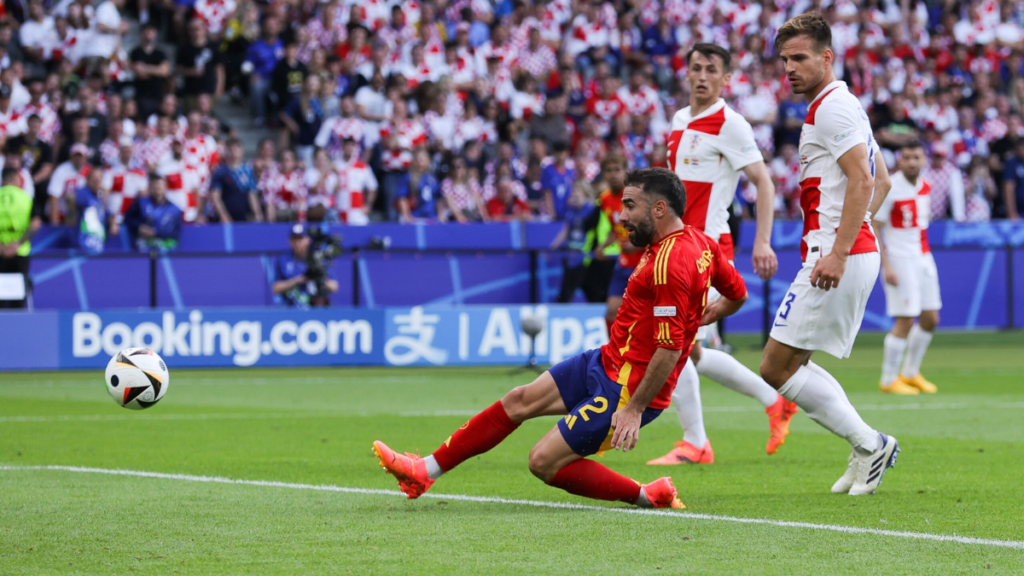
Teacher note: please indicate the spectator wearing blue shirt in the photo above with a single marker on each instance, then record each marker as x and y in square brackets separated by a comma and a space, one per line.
[233, 187]
[87, 214]
[792, 112]
[581, 218]
[557, 180]
[1013, 182]
[290, 281]
[421, 201]
[260, 61]
[152, 220]
[302, 119]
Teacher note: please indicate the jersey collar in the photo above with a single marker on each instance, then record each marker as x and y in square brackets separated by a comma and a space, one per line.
[672, 235]
[710, 110]
[828, 88]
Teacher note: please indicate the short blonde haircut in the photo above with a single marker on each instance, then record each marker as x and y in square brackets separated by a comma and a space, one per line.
[812, 24]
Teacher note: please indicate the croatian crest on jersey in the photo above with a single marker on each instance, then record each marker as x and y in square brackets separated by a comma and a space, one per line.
[694, 142]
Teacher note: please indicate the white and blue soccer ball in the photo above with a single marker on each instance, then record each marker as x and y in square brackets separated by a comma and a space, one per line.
[137, 378]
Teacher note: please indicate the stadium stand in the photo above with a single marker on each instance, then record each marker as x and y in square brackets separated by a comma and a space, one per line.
[441, 111]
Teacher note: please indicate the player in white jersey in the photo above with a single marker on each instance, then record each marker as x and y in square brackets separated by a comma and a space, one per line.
[911, 279]
[825, 304]
[710, 144]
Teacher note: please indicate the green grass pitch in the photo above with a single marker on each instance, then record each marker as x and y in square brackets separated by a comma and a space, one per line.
[961, 473]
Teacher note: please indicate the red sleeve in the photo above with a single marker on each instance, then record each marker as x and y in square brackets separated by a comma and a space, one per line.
[727, 279]
[671, 281]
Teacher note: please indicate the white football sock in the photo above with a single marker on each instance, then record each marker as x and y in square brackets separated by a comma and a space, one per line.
[686, 397]
[824, 405]
[830, 378]
[433, 470]
[894, 349]
[917, 344]
[729, 372]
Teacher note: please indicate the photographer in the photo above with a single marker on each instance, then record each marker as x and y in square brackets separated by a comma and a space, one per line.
[298, 284]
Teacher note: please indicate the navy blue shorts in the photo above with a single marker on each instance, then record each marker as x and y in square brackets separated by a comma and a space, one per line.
[620, 277]
[591, 397]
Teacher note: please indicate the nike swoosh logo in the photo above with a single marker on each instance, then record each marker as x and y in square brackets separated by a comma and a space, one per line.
[781, 325]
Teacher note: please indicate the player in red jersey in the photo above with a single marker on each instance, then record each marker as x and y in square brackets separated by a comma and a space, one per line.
[608, 393]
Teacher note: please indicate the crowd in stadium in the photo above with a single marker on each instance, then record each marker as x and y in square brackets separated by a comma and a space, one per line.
[463, 110]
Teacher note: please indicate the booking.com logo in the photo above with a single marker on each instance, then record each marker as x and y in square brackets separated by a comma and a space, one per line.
[242, 341]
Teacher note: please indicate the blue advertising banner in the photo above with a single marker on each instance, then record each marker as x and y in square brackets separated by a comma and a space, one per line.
[475, 335]
[224, 337]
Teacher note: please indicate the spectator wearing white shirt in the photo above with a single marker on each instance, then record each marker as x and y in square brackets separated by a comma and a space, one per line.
[37, 34]
[107, 31]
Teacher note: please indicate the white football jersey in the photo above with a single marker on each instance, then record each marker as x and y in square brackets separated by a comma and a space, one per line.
[905, 213]
[707, 152]
[835, 123]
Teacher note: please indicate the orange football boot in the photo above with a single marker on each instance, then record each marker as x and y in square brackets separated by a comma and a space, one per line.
[686, 453]
[920, 383]
[662, 494]
[779, 416]
[410, 470]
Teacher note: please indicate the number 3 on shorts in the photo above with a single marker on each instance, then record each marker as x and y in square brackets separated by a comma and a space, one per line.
[787, 303]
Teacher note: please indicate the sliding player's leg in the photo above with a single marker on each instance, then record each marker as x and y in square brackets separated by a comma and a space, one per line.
[483, 432]
[560, 465]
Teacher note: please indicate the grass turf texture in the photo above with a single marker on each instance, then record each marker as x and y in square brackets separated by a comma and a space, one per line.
[960, 473]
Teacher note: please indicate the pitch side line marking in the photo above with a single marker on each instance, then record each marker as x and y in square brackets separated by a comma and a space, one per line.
[540, 504]
[435, 413]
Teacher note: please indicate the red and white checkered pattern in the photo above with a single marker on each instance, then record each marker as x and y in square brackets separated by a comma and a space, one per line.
[283, 191]
[461, 195]
[215, 13]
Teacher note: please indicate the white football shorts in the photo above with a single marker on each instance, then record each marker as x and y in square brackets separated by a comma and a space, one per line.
[917, 286]
[810, 318]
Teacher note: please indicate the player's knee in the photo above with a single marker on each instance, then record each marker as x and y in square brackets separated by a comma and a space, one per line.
[772, 373]
[516, 404]
[540, 465]
[929, 320]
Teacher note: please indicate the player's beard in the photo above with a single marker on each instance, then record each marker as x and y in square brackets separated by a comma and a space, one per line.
[641, 233]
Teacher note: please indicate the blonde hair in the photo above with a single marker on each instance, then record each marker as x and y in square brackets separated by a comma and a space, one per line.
[812, 24]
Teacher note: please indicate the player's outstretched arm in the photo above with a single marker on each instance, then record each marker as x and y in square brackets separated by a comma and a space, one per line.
[765, 261]
[626, 421]
[721, 308]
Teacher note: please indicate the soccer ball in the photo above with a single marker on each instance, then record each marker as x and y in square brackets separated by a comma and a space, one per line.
[137, 378]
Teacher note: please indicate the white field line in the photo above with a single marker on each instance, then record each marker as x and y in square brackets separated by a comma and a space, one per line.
[435, 413]
[1018, 545]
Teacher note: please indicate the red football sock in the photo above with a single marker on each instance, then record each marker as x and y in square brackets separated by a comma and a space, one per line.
[483, 432]
[592, 480]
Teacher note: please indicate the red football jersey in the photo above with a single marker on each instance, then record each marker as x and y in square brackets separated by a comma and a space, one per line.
[663, 305]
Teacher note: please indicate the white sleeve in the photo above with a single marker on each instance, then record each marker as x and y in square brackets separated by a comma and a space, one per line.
[56, 186]
[736, 143]
[839, 128]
